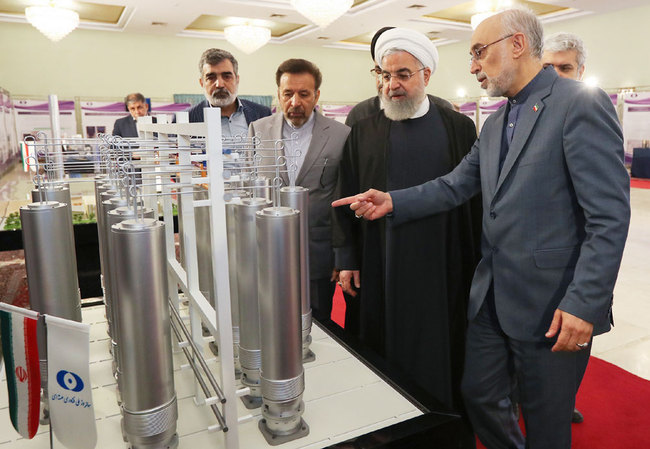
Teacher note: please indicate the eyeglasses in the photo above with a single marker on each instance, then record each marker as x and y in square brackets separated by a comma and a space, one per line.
[375, 71]
[477, 53]
[402, 77]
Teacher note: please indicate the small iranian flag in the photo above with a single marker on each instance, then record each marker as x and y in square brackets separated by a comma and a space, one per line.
[18, 328]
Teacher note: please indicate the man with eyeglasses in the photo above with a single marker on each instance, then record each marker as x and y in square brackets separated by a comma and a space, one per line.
[413, 281]
[372, 105]
[312, 161]
[220, 79]
[556, 211]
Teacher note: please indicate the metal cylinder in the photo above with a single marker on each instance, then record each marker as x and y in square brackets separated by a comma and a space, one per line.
[281, 373]
[102, 193]
[148, 397]
[259, 186]
[114, 217]
[59, 193]
[249, 328]
[50, 261]
[234, 198]
[297, 197]
[204, 246]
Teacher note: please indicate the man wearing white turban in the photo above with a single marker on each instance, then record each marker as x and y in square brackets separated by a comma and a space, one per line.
[412, 282]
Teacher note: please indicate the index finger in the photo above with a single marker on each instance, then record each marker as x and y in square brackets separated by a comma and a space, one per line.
[347, 200]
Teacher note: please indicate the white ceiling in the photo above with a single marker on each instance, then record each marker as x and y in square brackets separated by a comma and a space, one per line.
[366, 18]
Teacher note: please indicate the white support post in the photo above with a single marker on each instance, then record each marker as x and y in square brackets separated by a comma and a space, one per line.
[221, 279]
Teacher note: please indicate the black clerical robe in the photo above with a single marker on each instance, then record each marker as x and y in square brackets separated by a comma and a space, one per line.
[415, 278]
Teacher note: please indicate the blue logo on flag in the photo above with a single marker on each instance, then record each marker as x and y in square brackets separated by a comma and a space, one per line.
[69, 381]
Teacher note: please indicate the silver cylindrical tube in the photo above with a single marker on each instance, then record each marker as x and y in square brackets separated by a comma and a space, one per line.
[281, 373]
[59, 193]
[249, 328]
[234, 198]
[104, 193]
[50, 261]
[148, 396]
[259, 186]
[114, 217]
[204, 246]
[297, 198]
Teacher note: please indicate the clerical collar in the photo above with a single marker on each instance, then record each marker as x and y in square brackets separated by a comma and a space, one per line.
[423, 109]
[308, 124]
[524, 93]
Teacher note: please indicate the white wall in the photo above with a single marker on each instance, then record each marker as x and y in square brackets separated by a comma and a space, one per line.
[617, 46]
[111, 64]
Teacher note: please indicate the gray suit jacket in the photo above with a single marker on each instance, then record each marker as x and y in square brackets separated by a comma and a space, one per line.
[555, 219]
[319, 174]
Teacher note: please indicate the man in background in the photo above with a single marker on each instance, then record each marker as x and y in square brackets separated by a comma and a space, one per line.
[319, 143]
[137, 106]
[566, 53]
[220, 80]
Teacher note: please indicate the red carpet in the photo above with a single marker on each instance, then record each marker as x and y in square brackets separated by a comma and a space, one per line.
[615, 403]
[640, 183]
[615, 406]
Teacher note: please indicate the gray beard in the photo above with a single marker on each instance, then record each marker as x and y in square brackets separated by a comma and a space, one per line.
[221, 101]
[401, 110]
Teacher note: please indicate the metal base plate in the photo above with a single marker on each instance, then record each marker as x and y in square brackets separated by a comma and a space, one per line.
[275, 440]
[171, 444]
[309, 357]
[251, 402]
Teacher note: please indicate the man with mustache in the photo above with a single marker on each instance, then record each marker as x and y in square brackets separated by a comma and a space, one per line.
[556, 211]
[220, 80]
[312, 162]
[413, 281]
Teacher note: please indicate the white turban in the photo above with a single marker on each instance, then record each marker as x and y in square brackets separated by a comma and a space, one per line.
[410, 41]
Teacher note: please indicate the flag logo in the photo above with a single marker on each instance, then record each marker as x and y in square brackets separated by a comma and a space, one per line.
[535, 108]
[21, 374]
[69, 381]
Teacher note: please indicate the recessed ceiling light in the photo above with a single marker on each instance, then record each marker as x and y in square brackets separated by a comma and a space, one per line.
[415, 6]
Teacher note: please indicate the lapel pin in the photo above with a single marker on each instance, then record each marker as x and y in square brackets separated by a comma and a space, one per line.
[535, 108]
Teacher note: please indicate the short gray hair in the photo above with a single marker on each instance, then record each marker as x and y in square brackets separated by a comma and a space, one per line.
[564, 42]
[523, 20]
[213, 56]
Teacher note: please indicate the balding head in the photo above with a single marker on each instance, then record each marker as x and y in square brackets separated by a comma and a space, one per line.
[506, 51]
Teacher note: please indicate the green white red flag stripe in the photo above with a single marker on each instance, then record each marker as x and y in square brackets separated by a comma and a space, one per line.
[20, 348]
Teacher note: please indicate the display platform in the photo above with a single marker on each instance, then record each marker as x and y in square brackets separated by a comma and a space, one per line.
[344, 399]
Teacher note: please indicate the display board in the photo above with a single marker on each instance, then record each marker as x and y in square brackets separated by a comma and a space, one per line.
[636, 122]
[33, 116]
[469, 109]
[486, 107]
[337, 112]
[98, 117]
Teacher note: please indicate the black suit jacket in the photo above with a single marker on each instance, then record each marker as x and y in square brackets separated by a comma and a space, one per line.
[125, 127]
[252, 111]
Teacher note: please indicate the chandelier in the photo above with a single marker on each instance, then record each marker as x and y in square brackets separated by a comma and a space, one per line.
[322, 12]
[247, 38]
[53, 21]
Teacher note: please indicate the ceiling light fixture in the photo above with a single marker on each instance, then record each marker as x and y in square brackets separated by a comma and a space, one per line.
[247, 38]
[322, 12]
[476, 19]
[53, 21]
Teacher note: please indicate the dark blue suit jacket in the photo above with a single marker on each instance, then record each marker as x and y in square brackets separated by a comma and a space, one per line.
[252, 111]
[125, 127]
